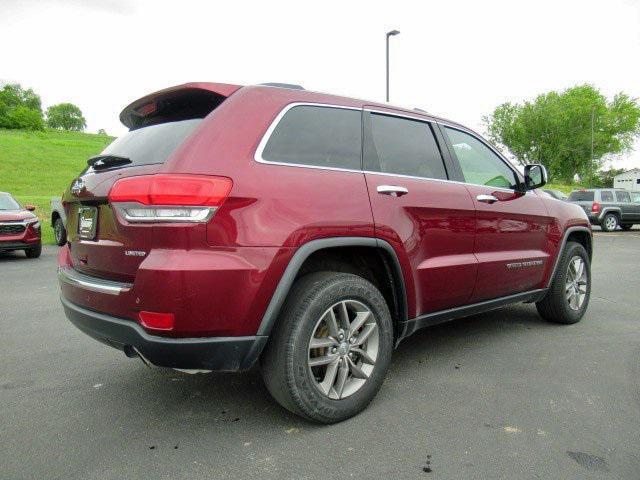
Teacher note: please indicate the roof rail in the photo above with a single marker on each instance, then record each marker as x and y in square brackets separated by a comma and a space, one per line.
[282, 85]
[420, 110]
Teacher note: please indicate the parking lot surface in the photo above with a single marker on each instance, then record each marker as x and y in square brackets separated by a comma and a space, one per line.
[498, 395]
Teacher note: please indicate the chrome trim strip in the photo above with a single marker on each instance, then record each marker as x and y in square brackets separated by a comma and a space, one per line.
[267, 135]
[72, 277]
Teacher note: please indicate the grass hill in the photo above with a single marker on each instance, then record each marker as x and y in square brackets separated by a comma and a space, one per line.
[35, 166]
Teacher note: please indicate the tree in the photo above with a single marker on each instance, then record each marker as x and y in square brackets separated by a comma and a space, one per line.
[102, 131]
[20, 108]
[560, 130]
[604, 178]
[65, 116]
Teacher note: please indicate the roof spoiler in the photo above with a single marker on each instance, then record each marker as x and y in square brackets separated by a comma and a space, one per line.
[182, 102]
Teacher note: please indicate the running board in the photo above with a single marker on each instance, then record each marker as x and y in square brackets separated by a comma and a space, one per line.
[429, 319]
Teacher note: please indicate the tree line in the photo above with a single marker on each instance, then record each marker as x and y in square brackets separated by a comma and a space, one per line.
[22, 109]
[570, 132]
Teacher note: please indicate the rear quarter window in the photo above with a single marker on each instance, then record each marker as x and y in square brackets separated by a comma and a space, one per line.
[317, 136]
[581, 196]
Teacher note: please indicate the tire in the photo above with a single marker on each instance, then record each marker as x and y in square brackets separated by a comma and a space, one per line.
[59, 232]
[286, 369]
[610, 222]
[34, 252]
[555, 306]
[626, 227]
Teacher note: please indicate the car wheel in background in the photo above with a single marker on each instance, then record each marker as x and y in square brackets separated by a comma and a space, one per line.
[59, 232]
[568, 297]
[34, 252]
[609, 222]
[331, 347]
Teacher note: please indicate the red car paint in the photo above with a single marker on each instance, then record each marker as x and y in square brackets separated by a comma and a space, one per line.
[19, 229]
[218, 278]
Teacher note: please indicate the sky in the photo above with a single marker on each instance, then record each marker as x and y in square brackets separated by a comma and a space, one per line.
[456, 59]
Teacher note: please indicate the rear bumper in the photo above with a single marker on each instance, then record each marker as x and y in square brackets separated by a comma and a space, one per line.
[213, 353]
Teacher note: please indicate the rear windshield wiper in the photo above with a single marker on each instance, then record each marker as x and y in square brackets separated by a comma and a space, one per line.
[100, 162]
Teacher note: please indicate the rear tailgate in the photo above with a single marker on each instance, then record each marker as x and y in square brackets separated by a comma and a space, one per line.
[101, 244]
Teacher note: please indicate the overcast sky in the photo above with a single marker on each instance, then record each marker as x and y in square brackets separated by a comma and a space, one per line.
[457, 59]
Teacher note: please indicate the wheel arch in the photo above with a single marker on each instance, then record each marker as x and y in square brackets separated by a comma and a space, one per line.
[615, 210]
[579, 234]
[332, 245]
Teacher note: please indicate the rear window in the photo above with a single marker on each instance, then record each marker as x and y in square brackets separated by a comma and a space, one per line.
[153, 144]
[317, 136]
[581, 196]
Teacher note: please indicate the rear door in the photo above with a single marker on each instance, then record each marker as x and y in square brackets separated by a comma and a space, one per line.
[511, 226]
[426, 218]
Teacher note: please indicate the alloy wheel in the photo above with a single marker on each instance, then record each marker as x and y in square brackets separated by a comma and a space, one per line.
[57, 230]
[343, 349]
[611, 223]
[576, 283]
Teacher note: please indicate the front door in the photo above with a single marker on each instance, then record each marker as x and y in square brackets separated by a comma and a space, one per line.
[427, 219]
[511, 226]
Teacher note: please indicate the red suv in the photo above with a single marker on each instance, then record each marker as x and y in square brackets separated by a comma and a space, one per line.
[19, 227]
[308, 232]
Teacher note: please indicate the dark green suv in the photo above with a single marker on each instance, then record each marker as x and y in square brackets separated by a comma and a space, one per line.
[609, 208]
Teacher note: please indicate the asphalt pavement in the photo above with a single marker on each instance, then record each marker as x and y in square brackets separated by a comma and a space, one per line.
[498, 395]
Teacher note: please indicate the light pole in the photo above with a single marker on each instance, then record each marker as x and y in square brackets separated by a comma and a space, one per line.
[389, 34]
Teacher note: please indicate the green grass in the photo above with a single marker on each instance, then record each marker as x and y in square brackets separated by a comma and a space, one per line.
[35, 166]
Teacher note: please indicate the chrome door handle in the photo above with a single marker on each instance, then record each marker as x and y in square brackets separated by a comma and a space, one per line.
[393, 190]
[486, 199]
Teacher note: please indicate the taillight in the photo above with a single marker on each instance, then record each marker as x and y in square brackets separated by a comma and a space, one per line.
[169, 198]
[595, 207]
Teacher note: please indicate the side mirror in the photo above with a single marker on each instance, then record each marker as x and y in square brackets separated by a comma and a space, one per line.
[30, 207]
[535, 176]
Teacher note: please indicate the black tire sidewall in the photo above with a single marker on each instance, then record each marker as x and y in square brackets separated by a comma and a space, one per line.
[34, 252]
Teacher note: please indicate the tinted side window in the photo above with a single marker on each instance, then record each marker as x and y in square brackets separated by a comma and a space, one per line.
[318, 136]
[479, 164]
[402, 146]
[623, 197]
[606, 196]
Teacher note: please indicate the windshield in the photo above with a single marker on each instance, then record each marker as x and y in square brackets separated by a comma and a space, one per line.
[581, 196]
[8, 203]
[152, 144]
